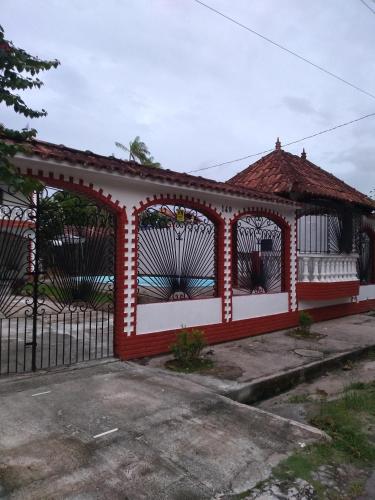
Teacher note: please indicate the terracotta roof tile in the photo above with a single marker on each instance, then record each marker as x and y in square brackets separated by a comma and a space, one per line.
[283, 173]
[50, 151]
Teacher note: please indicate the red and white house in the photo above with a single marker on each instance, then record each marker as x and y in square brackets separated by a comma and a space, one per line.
[236, 258]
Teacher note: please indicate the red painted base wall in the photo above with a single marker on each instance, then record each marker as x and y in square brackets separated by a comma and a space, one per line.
[137, 346]
[326, 291]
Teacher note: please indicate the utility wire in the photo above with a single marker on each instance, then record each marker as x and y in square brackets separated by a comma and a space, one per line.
[287, 144]
[282, 47]
[368, 6]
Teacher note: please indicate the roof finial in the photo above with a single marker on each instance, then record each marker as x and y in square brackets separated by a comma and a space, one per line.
[278, 144]
[303, 154]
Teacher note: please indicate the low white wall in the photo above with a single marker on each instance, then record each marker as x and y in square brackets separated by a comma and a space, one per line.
[257, 305]
[173, 315]
[366, 292]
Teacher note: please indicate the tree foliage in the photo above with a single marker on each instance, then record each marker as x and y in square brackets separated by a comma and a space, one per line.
[64, 209]
[138, 151]
[18, 72]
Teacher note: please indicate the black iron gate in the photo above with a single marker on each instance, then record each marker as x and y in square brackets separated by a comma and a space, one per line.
[57, 257]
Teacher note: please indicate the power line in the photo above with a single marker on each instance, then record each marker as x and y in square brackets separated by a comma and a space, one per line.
[287, 144]
[282, 47]
[368, 6]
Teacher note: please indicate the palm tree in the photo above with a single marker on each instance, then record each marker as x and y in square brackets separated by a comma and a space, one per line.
[138, 151]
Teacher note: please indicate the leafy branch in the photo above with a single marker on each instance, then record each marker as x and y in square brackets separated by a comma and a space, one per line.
[18, 72]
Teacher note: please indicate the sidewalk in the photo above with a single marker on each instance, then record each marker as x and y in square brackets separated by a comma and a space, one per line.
[274, 358]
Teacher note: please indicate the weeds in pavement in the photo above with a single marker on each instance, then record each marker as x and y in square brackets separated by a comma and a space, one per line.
[299, 398]
[342, 419]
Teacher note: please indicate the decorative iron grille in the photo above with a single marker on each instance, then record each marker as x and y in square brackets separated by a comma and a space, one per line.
[257, 266]
[56, 280]
[366, 259]
[328, 230]
[176, 254]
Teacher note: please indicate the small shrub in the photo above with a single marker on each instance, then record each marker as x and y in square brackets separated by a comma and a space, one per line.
[188, 346]
[305, 321]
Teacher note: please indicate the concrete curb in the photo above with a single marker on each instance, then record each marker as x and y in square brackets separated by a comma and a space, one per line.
[257, 390]
[321, 435]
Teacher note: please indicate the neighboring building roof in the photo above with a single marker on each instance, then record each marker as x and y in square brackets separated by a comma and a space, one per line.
[61, 153]
[284, 174]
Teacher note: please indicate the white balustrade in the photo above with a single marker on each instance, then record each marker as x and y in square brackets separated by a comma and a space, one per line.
[325, 268]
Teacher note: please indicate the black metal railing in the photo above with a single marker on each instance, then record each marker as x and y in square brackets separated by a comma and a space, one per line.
[176, 254]
[323, 231]
[257, 257]
[57, 257]
[62, 339]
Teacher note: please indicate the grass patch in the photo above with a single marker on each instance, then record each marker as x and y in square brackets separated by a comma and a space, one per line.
[356, 488]
[299, 333]
[355, 386]
[53, 292]
[197, 365]
[343, 420]
[299, 398]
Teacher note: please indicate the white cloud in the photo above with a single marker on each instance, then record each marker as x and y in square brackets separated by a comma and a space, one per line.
[197, 89]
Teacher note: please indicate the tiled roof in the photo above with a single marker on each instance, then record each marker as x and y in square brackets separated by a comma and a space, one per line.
[283, 173]
[61, 153]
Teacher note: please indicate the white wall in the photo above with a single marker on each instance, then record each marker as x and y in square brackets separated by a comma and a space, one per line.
[366, 292]
[130, 191]
[173, 315]
[257, 305]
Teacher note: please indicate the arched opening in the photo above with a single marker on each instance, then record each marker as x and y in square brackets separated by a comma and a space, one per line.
[177, 254]
[258, 255]
[57, 308]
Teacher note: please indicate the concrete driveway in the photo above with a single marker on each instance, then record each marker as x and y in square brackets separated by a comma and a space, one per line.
[174, 440]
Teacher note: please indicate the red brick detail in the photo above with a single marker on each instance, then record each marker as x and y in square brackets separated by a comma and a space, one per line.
[157, 343]
[212, 213]
[121, 220]
[327, 291]
[295, 264]
[286, 248]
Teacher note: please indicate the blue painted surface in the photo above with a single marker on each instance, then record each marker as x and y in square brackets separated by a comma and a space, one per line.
[149, 280]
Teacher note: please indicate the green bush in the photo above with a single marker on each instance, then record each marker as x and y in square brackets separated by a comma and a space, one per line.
[305, 322]
[188, 347]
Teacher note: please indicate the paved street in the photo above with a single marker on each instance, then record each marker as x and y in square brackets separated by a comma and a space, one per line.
[170, 439]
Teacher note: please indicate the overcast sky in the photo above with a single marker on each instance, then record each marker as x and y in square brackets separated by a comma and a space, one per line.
[196, 88]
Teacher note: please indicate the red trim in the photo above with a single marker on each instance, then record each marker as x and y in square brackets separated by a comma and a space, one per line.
[326, 291]
[286, 234]
[157, 343]
[293, 290]
[121, 220]
[208, 210]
